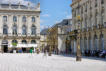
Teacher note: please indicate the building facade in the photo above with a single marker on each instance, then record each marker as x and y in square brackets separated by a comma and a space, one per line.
[57, 36]
[89, 20]
[19, 27]
[43, 39]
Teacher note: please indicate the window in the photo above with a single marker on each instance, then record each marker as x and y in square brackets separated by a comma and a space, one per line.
[5, 18]
[96, 15]
[102, 16]
[33, 19]
[24, 19]
[95, 41]
[33, 41]
[5, 29]
[24, 42]
[33, 30]
[14, 29]
[96, 3]
[14, 41]
[102, 1]
[86, 7]
[14, 19]
[82, 10]
[24, 30]
[85, 23]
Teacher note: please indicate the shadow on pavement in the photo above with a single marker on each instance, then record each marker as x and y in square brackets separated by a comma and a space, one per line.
[84, 57]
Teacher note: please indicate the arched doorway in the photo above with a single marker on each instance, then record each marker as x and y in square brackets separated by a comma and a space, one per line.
[95, 42]
[24, 49]
[5, 46]
[101, 42]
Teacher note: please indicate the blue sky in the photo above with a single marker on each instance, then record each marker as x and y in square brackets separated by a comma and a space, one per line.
[54, 11]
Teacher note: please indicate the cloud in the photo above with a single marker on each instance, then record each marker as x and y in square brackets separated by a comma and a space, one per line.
[69, 16]
[45, 15]
[42, 21]
[58, 21]
[43, 27]
[23, 2]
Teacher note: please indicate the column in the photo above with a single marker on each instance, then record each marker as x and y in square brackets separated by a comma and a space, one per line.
[29, 24]
[19, 25]
[92, 43]
[1, 24]
[0, 46]
[10, 24]
[99, 42]
[38, 25]
[104, 39]
[87, 43]
[9, 44]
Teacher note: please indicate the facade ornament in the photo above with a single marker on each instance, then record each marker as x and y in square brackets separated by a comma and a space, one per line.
[19, 5]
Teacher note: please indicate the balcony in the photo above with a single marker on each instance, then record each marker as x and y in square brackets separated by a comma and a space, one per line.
[18, 36]
[19, 7]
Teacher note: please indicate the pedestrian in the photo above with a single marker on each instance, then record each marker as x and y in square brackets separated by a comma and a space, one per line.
[45, 53]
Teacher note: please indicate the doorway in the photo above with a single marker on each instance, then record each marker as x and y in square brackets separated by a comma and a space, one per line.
[5, 48]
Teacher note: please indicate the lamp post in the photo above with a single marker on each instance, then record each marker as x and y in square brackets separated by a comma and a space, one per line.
[77, 35]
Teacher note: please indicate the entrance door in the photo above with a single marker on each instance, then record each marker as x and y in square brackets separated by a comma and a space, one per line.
[24, 50]
[5, 48]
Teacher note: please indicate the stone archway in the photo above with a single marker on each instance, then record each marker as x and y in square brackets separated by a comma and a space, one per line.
[101, 42]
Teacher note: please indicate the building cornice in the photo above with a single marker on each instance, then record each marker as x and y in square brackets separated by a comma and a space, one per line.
[20, 10]
[75, 2]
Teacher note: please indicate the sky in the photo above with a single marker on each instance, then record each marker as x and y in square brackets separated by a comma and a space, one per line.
[52, 11]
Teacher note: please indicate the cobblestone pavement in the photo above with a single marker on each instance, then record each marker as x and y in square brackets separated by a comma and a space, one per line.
[40, 62]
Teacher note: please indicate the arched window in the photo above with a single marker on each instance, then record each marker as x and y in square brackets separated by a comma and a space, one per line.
[96, 18]
[14, 19]
[102, 41]
[5, 29]
[5, 18]
[24, 19]
[33, 30]
[33, 19]
[102, 16]
[14, 41]
[95, 42]
[14, 29]
[24, 30]
[24, 42]
[85, 43]
[33, 42]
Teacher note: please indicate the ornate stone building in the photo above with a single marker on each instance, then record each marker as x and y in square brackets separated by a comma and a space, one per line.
[57, 36]
[19, 27]
[89, 20]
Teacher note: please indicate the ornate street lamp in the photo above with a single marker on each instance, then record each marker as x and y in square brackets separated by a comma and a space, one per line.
[77, 35]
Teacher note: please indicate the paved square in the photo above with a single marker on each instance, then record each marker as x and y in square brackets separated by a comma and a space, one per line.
[34, 62]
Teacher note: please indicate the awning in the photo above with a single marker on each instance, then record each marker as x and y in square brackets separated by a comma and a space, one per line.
[25, 45]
